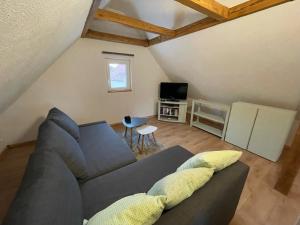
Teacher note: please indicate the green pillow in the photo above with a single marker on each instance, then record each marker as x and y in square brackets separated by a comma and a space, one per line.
[217, 160]
[181, 185]
[138, 209]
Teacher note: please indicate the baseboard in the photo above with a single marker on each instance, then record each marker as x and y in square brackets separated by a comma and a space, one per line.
[18, 145]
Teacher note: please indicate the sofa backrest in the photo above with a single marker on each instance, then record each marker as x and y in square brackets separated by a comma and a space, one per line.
[51, 137]
[64, 121]
[49, 194]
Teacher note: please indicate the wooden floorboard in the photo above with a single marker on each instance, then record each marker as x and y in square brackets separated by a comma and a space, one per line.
[272, 191]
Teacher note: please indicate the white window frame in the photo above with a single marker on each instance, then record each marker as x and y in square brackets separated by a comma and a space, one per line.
[119, 60]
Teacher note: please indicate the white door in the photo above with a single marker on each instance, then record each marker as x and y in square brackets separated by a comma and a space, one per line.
[241, 121]
[271, 129]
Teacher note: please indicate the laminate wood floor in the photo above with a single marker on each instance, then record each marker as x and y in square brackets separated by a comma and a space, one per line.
[271, 195]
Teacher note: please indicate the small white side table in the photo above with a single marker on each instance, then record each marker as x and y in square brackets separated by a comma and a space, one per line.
[145, 130]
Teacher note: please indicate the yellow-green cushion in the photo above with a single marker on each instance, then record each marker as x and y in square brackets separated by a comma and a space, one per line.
[138, 209]
[217, 160]
[181, 185]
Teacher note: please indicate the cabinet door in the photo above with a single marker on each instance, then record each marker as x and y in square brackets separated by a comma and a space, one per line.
[241, 121]
[271, 129]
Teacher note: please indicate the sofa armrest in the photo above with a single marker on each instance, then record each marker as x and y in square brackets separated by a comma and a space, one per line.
[92, 123]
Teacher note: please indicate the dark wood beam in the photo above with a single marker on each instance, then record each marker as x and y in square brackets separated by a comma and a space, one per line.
[210, 8]
[90, 17]
[116, 38]
[102, 14]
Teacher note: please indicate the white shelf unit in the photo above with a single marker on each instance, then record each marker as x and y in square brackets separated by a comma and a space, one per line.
[172, 111]
[214, 113]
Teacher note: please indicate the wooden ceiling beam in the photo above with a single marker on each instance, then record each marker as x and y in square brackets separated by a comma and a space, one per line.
[235, 12]
[188, 29]
[102, 14]
[252, 6]
[116, 38]
[210, 8]
[90, 17]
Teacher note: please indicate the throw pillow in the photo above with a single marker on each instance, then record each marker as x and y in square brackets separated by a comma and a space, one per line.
[217, 160]
[138, 209]
[181, 185]
[64, 121]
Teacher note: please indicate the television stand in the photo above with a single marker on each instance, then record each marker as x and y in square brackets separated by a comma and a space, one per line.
[172, 111]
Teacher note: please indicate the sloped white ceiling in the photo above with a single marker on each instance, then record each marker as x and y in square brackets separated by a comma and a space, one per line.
[254, 58]
[166, 13]
[32, 35]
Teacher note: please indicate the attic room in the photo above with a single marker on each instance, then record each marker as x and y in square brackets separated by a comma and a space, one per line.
[137, 112]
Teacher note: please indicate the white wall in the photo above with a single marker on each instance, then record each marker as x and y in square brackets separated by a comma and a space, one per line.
[33, 33]
[254, 58]
[77, 84]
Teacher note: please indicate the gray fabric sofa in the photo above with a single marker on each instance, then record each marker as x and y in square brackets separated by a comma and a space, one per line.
[52, 194]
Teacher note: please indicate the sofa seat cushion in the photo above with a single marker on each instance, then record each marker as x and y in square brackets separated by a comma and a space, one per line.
[103, 149]
[138, 177]
[64, 121]
[49, 194]
[54, 138]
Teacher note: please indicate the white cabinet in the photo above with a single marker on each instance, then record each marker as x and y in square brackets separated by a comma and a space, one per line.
[260, 129]
[241, 120]
[271, 129]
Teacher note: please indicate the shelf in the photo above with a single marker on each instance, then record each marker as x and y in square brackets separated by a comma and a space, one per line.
[170, 107]
[169, 119]
[214, 105]
[211, 117]
[174, 103]
[208, 128]
[168, 115]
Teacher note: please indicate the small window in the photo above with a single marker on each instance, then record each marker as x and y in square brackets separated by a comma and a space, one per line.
[119, 74]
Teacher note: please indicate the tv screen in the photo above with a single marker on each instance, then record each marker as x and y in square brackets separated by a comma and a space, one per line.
[173, 91]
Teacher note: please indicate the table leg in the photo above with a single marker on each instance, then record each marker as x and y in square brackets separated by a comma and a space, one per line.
[125, 134]
[143, 142]
[154, 138]
[139, 139]
[131, 137]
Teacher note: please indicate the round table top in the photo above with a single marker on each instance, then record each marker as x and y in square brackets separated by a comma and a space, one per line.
[146, 129]
[135, 122]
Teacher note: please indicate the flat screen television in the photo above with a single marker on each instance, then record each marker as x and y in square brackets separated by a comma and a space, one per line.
[173, 91]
